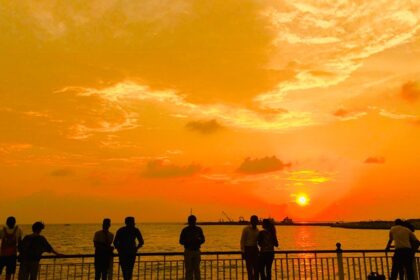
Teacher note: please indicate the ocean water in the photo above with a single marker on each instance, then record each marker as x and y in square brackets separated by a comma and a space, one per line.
[78, 238]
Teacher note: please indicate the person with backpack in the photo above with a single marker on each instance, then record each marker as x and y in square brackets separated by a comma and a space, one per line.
[192, 238]
[30, 251]
[11, 236]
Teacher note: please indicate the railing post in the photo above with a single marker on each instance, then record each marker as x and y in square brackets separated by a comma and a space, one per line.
[340, 261]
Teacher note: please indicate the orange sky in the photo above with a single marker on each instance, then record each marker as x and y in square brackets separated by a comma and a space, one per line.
[151, 108]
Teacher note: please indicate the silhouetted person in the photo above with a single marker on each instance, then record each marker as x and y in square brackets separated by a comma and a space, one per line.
[192, 237]
[403, 256]
[11, 236]
[267, 240]
[249, 248]
[415, 244]
[125, 243]
[103, 250]
[31, 249]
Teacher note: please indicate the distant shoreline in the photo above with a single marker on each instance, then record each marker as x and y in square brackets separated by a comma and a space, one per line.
[382, 225]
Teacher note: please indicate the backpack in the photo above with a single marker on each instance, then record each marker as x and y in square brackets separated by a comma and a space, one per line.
[8, 243]
[375, 276]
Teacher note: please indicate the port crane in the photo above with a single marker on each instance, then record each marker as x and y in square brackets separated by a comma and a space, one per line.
[229, 219]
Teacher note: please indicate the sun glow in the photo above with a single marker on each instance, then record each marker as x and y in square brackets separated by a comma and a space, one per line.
[302, 199]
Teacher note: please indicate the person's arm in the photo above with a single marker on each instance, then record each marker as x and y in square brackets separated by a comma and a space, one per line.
[202, 238]
[19, 236]
[96, 244]
[276, 242]
[243, 238]
[117, 240]
[388, 245]
[21, 245]
[139, 239]
[182, 237]
[48, 248]
[260, 238]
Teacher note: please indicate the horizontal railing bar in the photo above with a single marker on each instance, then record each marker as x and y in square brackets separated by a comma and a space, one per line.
[213, 253]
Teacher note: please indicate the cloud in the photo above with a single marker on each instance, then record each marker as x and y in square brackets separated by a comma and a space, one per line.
[410, 91]
[61, 172]
[302, 177]
[262, 165]
[163, 169]
[396, 116]
[375, 160]
[345, 29]
[8, 148]
[348, 115]
[121, 95]
[204, 127]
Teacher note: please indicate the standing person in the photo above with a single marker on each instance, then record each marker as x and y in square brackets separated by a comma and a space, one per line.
[103, 250]
[192, 237]
[267, 240]
[403, 256]
[31, 248]
[249, 248]
[11, 236]
[125, 243]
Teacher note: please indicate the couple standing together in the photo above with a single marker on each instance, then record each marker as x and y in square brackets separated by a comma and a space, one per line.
[258, 248]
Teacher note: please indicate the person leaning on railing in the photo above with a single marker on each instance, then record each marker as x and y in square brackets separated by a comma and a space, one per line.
[30, 251]
[403, 239]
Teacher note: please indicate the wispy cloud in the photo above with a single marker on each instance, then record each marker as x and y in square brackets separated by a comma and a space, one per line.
[123, 93]
[345, 29]
[375, 160]
[204, 127]
[61, 172]
[164, 169]
[301, 177]
[410, 91]
[346, 115]
[396, 116]
[262, 165]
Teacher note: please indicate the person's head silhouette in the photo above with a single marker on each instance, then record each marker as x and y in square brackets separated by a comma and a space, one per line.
[398, 222]
[11, 222]
[266, 224]
[192, 220]
[37, 227]
[254, 221]
[130, 222]
[106, 224]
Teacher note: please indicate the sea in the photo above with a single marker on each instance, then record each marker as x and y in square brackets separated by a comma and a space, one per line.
[164, 237]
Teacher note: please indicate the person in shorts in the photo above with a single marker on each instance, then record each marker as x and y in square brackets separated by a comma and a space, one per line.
[11, 236]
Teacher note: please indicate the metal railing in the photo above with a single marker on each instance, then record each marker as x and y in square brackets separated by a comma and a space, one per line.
[315, 264]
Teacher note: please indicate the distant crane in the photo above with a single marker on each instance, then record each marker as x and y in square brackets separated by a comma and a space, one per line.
[227, 217]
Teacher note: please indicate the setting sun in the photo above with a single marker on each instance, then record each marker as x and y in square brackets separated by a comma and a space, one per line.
[302, 199]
